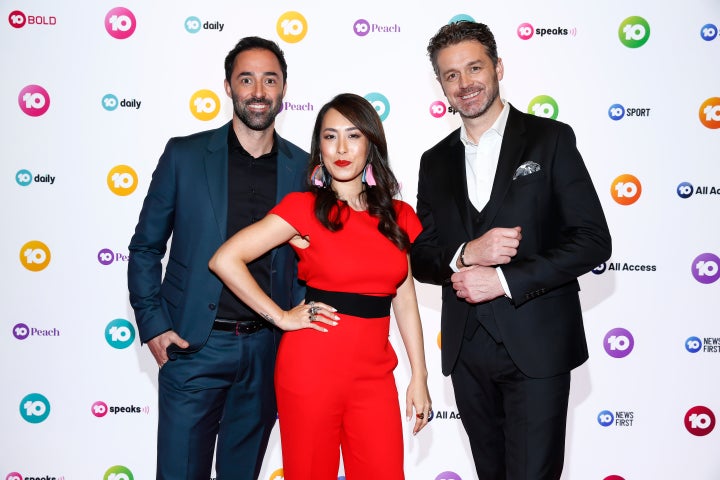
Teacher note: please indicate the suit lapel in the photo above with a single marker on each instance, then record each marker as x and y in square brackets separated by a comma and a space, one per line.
[511, 152]
[216, 168]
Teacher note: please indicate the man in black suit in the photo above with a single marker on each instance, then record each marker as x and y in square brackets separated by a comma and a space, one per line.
[511, 219]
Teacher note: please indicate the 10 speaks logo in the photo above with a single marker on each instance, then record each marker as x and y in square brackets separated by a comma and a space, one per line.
[706, 268]
[204, 105]
[699, 421]
[34, 100]
[122, 180]
[35, 255]
[292, 27]
[618, 343]
[544, 106]
[120, 23]
[710, 113]
[634, 32]
[119, 333]
[626, 189]
[438, 109]
[34, 408]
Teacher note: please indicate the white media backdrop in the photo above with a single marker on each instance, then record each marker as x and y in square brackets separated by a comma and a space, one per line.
[91, 92]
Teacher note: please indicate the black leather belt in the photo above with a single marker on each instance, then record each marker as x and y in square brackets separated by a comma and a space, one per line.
[239, 326]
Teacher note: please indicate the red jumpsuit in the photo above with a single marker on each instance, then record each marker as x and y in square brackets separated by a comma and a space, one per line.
[336, 390]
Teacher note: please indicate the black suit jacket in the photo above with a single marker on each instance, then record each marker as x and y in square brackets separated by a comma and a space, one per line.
[564, 235]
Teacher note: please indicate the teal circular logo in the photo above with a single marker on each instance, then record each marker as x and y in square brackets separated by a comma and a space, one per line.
[634, 32]
[24, 177]
[119, 333]
[460, 18]
[110, 102]
[381, 104]
[34, 408]
[193, 24]
[543, 106]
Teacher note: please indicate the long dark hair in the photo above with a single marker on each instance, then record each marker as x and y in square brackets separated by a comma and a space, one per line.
[378, 198]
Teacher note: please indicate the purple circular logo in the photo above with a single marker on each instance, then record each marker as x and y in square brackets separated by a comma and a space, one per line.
[105, 256]
[361, 27]
[448, 476]
[706, 268]
[21, 331]
[618, 343]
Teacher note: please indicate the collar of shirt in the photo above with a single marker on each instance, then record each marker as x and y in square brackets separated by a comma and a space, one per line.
[234, 144]
[481, 159]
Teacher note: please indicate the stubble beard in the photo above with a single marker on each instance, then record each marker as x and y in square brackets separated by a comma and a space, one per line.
[257, 121]
[493, 94]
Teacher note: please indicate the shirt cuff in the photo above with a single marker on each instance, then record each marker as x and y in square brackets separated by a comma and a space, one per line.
[503, 282]
[454, 262]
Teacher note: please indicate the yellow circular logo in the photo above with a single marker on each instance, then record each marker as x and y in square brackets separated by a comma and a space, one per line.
[204, 105]
[122, 180]
[277, 474]
[35, 255]
[292, 27]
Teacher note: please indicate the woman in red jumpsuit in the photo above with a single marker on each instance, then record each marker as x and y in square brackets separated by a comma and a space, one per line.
[334, 375]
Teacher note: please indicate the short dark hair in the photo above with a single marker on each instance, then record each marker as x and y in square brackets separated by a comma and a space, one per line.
[456, 32]
[250, 43]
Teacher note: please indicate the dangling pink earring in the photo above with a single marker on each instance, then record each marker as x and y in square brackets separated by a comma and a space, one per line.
[320, 177]
[368, 177]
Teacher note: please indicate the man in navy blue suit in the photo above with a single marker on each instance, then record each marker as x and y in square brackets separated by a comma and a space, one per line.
[510, 220]
[216, 356]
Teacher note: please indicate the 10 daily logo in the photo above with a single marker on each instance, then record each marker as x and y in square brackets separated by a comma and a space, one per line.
[25, 177]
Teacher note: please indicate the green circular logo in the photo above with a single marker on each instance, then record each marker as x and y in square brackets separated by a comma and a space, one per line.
[543, 106]
[634, 32]
[118, 472]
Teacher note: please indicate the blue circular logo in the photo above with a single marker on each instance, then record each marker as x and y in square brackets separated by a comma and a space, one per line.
[600, 269]
[34, 408]
[693, 344]
[616, 112]
[708, 32]
[193, 24]
[110, 102]
[119, 333]
[381, 104]
[23, 177]
[685, 190]
[605, 418]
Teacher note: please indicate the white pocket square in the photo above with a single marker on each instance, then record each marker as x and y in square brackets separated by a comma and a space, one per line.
[526, 169]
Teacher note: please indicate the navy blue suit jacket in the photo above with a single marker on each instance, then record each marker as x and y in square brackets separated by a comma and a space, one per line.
[564, 235]
[187, 199]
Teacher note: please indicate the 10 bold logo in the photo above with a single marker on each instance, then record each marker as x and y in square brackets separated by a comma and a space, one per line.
[18, 19]
[634, 32]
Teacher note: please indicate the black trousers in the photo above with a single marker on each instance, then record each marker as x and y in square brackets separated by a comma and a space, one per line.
[516, 424]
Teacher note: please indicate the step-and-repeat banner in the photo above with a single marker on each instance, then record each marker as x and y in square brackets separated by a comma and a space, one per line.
[91, 91]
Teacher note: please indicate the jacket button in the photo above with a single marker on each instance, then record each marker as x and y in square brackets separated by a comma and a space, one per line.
[212, 306]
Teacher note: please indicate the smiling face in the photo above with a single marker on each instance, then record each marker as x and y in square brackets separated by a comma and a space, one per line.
[256, 88]
[469, 79]
[344, 148]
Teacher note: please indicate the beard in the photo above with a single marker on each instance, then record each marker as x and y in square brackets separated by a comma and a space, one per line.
[492, 93]
[256, 120]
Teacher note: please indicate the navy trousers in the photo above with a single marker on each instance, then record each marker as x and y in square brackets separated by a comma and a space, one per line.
[218, 398]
